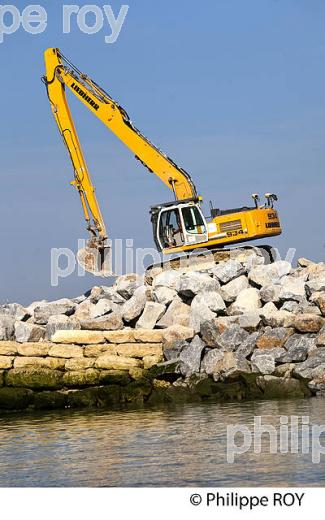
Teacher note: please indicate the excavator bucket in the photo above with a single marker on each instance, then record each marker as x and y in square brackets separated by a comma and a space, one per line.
[97, 261]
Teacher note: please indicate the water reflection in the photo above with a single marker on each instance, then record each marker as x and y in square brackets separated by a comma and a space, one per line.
[169, 446]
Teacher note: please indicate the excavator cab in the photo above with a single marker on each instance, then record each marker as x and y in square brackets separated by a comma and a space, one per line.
[178, 224]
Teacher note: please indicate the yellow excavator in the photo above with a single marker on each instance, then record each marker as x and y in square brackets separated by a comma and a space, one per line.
[178, 226]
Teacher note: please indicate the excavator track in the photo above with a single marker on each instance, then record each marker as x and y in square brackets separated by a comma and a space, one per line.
[208, 259]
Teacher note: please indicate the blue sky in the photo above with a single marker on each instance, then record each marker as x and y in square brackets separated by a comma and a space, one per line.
[233, 90]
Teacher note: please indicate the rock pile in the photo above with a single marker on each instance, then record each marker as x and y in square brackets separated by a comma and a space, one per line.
[239, 321]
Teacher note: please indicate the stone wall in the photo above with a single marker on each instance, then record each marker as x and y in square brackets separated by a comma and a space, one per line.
[238, 330]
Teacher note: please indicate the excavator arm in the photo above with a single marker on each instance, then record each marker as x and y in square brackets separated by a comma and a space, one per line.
[60, 73]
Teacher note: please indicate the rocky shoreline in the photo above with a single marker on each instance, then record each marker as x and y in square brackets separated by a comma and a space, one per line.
[237, 330]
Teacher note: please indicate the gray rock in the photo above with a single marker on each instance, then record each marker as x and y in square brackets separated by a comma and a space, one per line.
[177, 312]
[320, 338]
[274, 337]
[317, 284]
[191, 283]
[127, 284]
[232, 338]
[151, 314]
[279, 387]
[264, 360]
[231, 366]
[297, 347]
[269, 274]
[292, 288]
[83, 310]
[270, 293]
[210, 361]
[26, 332]
[173, 351]
[212, 300]
[308, 322]
[276, 318]
[199, 313]
[246, 348]
[313, 367]
[227, 271]
[15, 310]
[168, 278]
[61, 322]
[210, 331]
[133, 307]
[231, 290]
[111, 322]
[190, 357]
[7, 328]
[248, 300]
[290, 306]
[249, 321]
[203, 307]
[304, 262]
[43, 312]
[101, 308]
[164, 295]
[107, 293]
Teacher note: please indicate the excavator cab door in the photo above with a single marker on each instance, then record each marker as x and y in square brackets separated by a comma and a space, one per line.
[181, 225]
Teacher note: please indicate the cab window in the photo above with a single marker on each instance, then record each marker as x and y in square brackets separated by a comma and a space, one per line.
[170, 229]
[193, 220]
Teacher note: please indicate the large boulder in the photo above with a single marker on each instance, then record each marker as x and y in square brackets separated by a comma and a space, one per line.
[270, 293]
[190, 357]
[102, 308]
[227, 271]
[318, 298]
[164, 295]
[177, 313]
[133, 307]
[191, 283]
[7, 328]
[168, 278]
[126, 285]
[43, 312]
[203, 307]
[231, 338]
[175, 333]
[308, 322]
[292, 288]
[247, 347]
[316, 285]
[249, 321]
[248, 300]
[210, 331]
[231, 366]
[297, 348]
[151, 314]
[320, 338]
[273, 317]
[103, 292]
[112, 321]
[15, 310]
[313, 367]
[231, 290]
[274, 338]
[269, 274]
[25, 332]
[61, 322]
[210, 361]
[263, 360]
